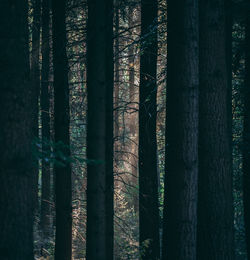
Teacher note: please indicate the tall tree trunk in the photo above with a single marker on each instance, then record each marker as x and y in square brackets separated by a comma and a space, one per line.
[229, 58]
[16, 119]
[181, 175]
[35, 78]
[116, 83]
[133, 117]
[215, 205]
[109, 189]
[45, 114]
[246, 139]
[148, 184]
[100, 130]
[63, 243]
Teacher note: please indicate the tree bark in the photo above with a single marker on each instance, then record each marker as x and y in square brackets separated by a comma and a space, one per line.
[215, 206]
[148, 184]
[16, 119]
[63, 243]
[100, 130]
[181, 173]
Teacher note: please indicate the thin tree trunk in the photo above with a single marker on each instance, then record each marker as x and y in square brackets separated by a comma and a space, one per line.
[148, 184]
[229, 58]
[100, 130]
[45, 110]
[181, 183]
[133, 117]
[63, 243]
[246, 139]
[16, 119]
[109, 189]
[215, 205]
[117, 82]
[35, 78]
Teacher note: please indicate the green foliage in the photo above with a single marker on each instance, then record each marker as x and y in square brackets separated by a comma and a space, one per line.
[57, 153]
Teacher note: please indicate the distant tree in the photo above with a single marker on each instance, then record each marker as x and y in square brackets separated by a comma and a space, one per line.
[100, 130]
[133, 107]
[35, 78]
[181, 173]
[16, 135]
[45, 118]
[246, 138]
[116, 80]
[215, 205]
[63, 243]
[148, 180]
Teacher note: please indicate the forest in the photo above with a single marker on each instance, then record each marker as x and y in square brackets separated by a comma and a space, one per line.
[124, 129]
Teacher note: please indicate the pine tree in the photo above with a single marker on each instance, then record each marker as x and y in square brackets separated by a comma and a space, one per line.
[180, 202]
[63, 189]
[100, 130]
[35, 79]
[16, 135]
[45, 118]
[246, 138]
[215, 204]
[148, 180]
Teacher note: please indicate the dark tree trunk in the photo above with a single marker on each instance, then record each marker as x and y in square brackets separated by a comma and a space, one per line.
[45, 110]
[16, 119]
[246, 137]
[100, 130]
[109, 189]
[35, 78]
[229, 57]
[148, 184]
[63, 243]
[181, 175]
[215, 205]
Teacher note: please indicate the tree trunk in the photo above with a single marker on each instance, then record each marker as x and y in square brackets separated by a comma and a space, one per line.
[63, 243]
[109, 189]
[148, 184]
[246, 140]
[133, 117]
[45, 114]
[35, 78]
[215, 207]
[16, 119]
[100, 130]
[181, 175]
[116, 84]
